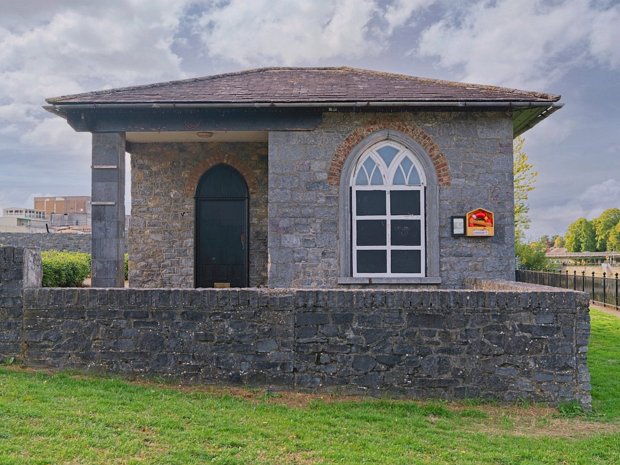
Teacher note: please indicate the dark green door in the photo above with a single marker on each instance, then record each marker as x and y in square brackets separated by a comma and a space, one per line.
[222, 228]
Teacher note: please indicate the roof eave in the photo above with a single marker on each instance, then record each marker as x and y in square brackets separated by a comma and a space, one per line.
[60, 107]
[532, 118]
[525, 114]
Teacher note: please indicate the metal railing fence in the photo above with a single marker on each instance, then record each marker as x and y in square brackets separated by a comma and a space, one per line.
[603, 289]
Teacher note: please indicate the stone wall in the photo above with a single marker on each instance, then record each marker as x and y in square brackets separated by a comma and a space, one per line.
[304, 234]
[164, 181]
[501, 340]
[472, 153]
[44, 241]
[505, 345]
[19, 268]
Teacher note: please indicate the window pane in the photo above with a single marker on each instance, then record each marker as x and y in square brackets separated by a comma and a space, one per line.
[387, 153]
[371, 232]
[377, 179]
[406, 261]
[399, 177]
[370, 203]
[414, 177]
[361, 179]
[371, 261]
[405, 202]
[369, 164]
[406, 232]
[406, 164]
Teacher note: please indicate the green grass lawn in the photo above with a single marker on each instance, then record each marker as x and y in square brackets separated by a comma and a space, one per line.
[70, 419]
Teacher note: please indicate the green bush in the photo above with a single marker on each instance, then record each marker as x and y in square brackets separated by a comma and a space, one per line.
[64, 269]
[126, 267]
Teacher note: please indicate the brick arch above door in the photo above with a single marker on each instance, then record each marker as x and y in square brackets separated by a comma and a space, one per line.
[414, 132]
[218, 159]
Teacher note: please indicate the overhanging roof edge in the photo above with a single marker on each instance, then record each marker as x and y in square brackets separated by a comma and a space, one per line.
[532, 121]
[58, 108]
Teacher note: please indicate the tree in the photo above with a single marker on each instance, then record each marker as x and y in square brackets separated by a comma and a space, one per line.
[603, 225]
[580, 236]
[532, 256]
[558, 241]
[524, 179]
[613, 240]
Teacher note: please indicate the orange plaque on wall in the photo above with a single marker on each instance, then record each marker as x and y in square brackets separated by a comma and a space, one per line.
[480, 223]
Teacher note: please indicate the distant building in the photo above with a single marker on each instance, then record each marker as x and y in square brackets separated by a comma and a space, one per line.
[22, 220]
[66, 212]
[62, 205]
[24, 213]
[73, 221]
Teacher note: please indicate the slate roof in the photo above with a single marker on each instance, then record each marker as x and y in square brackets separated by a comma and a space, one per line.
[301, 86]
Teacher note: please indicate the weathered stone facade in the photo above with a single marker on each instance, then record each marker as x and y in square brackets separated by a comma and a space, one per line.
[164, 180]
[19, 269]
[304, 234]
[502, 340]
[471, 154]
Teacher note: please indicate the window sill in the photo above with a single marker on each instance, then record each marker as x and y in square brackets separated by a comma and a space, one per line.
[425, 280]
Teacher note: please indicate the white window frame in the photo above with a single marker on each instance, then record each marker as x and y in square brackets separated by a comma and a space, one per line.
[388, 174]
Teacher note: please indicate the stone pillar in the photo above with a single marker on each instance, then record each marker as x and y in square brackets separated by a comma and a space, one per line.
[108, 210]
[19, 268]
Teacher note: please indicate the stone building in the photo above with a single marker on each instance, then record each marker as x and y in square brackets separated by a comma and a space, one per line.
[303, 178]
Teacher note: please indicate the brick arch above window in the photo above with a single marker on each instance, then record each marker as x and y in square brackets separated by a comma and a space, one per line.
[218, 159]
[416, 133]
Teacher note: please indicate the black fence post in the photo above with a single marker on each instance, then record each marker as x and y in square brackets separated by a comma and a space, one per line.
[574, 280]
[583, 281]
[604, 288]
[617, 308]
[593, 285]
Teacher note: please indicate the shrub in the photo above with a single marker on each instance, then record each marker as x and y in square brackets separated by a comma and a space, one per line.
[64, 269]
[532, 256]
[126, 267]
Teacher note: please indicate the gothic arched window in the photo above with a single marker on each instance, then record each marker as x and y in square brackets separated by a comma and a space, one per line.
[388, 213]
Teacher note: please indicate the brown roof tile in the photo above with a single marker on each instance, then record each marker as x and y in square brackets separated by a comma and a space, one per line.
[306, 85]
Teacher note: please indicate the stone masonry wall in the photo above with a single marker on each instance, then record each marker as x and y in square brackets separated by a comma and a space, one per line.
[164, 181]
[44, 241]
[19, 268]
[304, 206]
[501, 340]
[505, 345]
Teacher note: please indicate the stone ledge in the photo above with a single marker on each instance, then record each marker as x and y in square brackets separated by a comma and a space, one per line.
[424, 280]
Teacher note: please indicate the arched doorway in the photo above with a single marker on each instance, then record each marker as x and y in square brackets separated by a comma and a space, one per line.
[221, 228]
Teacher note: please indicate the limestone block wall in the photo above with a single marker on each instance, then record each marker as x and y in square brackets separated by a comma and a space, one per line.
[304, 236]
[497, 344]
[52, 241]
[19, 268]
[500, 340]
[161, 233]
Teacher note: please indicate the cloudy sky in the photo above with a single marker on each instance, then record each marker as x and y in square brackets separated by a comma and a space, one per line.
[569, 47]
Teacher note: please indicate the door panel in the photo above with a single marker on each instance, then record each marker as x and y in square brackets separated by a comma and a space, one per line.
[222, 242]
[222, 229]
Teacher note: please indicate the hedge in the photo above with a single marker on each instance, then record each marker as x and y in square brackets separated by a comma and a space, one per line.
[64, 269]
[68, 269]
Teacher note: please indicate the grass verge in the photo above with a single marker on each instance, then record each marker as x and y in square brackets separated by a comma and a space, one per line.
[73, 419]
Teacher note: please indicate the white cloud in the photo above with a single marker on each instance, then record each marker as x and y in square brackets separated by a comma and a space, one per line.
[55, 132]
[281, 32]
[77, 47]
[399, 13]
[605, 37]
[523, 42]
[554, 219]
[49, 49]
[600, 196]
